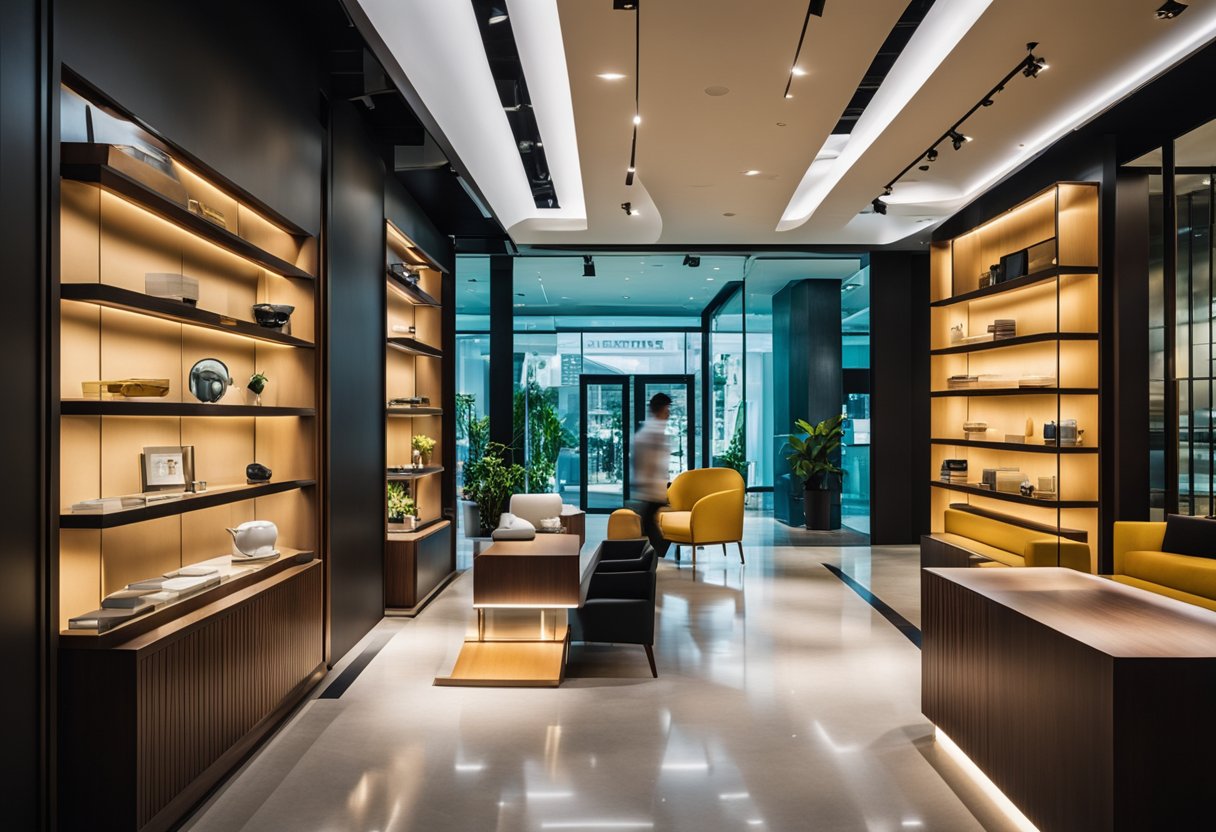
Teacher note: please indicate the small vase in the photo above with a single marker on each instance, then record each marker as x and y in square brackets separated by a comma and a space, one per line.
[426, 459]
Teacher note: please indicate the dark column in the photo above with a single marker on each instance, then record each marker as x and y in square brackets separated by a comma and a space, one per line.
[502, 349]
[806, 377]
[899, 397]
[355, 369]
[25, 597]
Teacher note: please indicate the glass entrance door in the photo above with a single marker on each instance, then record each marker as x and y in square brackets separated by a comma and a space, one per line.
[604, 442]
[681, 424]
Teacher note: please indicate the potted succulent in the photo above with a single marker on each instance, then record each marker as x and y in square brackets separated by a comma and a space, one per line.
[257, 383]
[401, 508]
[423, 444]
[489, 482]
[813, 460]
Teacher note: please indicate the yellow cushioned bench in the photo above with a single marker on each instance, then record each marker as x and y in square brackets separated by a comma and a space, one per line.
[1140, 562]
[997, 543]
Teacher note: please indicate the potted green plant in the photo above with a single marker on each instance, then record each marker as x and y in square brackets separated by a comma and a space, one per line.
[257, 383]
[812, 459]
[401, 508]
[490, 481]
[423, 444]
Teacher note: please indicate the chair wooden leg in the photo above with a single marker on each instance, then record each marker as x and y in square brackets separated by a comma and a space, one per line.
[739, 543]
[677, 553]
[654, 671]
[693, 546]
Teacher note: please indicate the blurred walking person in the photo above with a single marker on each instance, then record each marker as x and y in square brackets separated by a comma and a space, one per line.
[651, 465]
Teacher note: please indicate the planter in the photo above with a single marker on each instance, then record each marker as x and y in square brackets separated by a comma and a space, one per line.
[470, 519]
[406, 524]
[817, 506]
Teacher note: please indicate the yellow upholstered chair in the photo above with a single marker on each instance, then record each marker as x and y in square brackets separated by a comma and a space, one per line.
[705, 509]
[624, 524]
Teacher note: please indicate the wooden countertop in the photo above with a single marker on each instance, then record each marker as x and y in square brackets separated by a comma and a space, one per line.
[1112, 618]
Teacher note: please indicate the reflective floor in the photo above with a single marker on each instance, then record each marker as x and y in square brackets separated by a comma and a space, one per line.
[784, 702]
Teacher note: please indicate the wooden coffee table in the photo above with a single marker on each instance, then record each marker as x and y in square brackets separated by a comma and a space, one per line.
[1090, 704]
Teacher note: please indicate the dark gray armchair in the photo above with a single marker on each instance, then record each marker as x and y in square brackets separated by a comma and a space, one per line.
[620, 599]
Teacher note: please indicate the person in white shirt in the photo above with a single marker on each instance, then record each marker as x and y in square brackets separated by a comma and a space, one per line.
[651, 461]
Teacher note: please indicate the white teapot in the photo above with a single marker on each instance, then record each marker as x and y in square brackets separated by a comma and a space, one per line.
[254, 539]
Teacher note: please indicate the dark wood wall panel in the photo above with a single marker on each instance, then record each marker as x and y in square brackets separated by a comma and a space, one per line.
[152, 724]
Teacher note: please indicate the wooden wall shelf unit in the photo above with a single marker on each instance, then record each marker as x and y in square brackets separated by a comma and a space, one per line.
[154, 712]
[417, 563]
[1055, 337]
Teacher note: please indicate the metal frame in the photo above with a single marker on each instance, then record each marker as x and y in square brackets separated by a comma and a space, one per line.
[585, 381]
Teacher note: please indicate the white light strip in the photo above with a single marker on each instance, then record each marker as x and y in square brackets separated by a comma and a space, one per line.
[936, 37]
[599, 824]
[987, 786]
[439, 47]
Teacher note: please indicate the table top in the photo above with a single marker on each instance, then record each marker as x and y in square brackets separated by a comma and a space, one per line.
[1112, 618]
[543, 545]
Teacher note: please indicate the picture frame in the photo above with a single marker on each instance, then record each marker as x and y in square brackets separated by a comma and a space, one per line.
[167, 468]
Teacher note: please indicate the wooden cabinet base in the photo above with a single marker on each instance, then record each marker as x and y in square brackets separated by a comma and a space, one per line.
[415, 566]
[936, 553]
[149, 726]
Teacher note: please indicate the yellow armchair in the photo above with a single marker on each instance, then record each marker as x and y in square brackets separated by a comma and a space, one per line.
[1135, 536]
[705, 509]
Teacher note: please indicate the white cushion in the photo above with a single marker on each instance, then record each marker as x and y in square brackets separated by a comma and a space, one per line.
[536, 507]
[512, 527]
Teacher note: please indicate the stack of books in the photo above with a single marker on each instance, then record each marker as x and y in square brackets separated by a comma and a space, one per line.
[142, 597]
[962, 382]
[954, 471]
[1003, 328]
[1004, 480]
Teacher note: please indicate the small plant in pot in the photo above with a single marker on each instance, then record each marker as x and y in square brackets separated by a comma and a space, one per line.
[813, 460]
[401, 508]
[490, 481]
[423, 444]
[257, 383]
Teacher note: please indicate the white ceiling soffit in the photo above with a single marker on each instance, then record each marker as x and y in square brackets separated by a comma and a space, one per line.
[438, 45]
[941, 30]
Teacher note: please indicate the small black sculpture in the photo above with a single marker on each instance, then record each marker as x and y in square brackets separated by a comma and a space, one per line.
[256, 472]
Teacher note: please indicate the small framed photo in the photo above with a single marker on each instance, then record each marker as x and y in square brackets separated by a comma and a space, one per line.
[167, 468]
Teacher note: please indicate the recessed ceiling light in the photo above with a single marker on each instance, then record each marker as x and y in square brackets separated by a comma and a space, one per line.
[798, 72]
[611, 76]
[716, 268]
[626, 280]
[751, 173]
[728, 213]
[624, 297]
[717, 90]
[709, 280]
[789, 95]
[690, 297]
[781, 124]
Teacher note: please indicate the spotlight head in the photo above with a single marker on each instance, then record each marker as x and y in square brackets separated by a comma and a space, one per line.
[1034, 66]
[627, 207]
[497, 16]
[588, 266]
[987, 102]
[886, 191]
[1170, 9]
[624, 5]
[692, 261]
[957, 139]
[880, 207]
[932, 155]
[923, 167]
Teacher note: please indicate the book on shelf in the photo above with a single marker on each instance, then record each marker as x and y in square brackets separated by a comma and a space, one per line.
[126, 599]
[104, 620]
[961, 382]
[1037, 381]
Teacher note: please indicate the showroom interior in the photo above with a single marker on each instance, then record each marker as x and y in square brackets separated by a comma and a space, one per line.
[607, 414]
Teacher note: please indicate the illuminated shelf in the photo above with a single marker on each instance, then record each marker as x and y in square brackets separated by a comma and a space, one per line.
[419, 532]
[411, 412]
[1079, 535]
[1015, 284]
[414, 474]
[409, 291]
[414, 347]
[1020, 447]
[119, 407]
[102, 294]
[1013, 498]
[89, 163]
[1017, 391]
[217, 496]
[1004, 343]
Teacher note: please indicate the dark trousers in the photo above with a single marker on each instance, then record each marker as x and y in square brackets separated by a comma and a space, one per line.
[649, 512]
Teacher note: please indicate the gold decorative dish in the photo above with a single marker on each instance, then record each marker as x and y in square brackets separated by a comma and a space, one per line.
[126, 388]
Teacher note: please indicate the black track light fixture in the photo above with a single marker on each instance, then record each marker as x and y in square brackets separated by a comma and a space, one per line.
[692, 261]
[497, 16]
[588, 266]
[1170, 9]
[932, 154]
[957, 139]
[987, 102]
[815, 8]
[627, 207]
[1033, 65]
[880, 207]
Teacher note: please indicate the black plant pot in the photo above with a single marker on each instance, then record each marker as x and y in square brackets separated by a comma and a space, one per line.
[817, 506]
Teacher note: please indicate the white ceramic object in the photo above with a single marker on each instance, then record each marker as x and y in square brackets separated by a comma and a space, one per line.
[255, 538]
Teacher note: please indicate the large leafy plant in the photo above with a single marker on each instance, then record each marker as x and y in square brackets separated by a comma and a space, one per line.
[490, 481]
[813, 456]
[539, 430]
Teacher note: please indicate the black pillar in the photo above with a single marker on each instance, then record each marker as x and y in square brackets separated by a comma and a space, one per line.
[899, 397]
[502, 348]
[806, 377]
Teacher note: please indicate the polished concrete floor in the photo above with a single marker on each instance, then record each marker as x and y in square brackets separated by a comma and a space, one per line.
[784, 702]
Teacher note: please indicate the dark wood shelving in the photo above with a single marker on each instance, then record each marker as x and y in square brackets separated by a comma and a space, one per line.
[1037, 338]
[89, 163]
[410, 412]
[144, 407]
[1013, 498]
[1078, 535]
[414, 474]
[409, 291]
[1017, 391]
[218, 496]
[1015, 284]
[102, 294]
[415, 347]
[1029, 448]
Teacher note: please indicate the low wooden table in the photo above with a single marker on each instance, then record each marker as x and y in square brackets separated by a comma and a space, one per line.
[1090, 704]
[514, 582]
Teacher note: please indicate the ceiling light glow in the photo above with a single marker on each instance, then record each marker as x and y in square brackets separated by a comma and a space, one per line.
[611, 76]
[751, 173]
[798, 71]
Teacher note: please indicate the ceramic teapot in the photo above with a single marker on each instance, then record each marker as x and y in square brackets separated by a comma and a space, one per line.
[254, 539]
